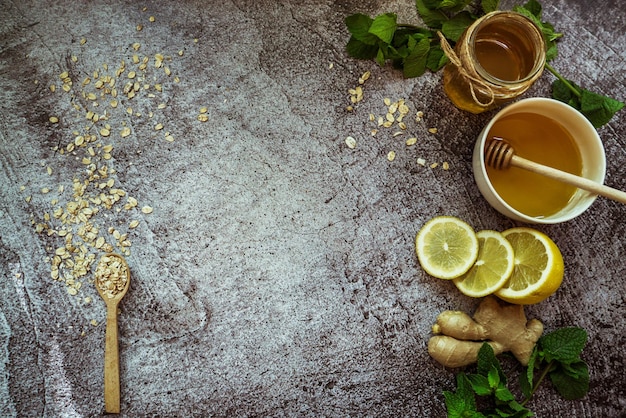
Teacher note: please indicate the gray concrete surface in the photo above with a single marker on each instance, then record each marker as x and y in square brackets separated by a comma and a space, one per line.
[276, 275]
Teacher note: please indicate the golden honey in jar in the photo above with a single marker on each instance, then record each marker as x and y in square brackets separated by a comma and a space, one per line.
[543, 140]
[497, 59]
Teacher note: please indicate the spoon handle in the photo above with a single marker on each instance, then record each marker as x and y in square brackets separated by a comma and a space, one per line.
[111, 363]
[580, 182]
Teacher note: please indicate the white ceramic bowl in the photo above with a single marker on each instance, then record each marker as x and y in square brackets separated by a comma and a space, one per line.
[586, 138]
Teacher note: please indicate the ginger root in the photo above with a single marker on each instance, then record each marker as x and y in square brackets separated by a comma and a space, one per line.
[504, 327]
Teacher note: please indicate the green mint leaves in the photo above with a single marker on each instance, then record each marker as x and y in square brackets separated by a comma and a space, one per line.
[416, 49]
[533, 11]
[556, 355]
[598, 109]
[560, 352]
[411, 48]
[489, 381]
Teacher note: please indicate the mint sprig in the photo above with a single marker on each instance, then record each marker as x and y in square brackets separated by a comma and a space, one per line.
[415, 49]
[411, 48]
[489, 381]
[533, 10]
[556, 356]
[597, 108]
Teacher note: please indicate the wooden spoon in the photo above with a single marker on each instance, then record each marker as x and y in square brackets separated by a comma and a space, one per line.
[112, 278]
[499, 154]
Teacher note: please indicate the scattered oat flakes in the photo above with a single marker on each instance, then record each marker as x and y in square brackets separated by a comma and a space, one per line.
[350, 142]
[411, 141]
[53, 119]
[146, 209]
[432, 130]
[391, 155]
[366, 75]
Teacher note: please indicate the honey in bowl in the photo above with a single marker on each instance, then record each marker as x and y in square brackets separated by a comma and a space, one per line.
[543, 140]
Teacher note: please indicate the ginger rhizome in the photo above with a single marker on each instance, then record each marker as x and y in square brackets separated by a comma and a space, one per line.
[503, 326]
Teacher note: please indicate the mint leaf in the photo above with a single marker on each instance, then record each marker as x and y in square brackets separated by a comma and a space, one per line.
[415, 62]
[571, 380]
[432, 17]
[526, 379]
[525, 385]
[597, 108]
[563, 345]
[436, 58]
[453, 5]
[454, 28]
[486, 361]
[480, 384]
[551, 51]
[569, 94]
[533, 7]
[493, 377]
[359, 50]
[384, 26]
[359, 26]
[432, 4]
[503, 394]
[489, 6]
[513, 409]
[380, 57]
[461, 402]
[532, 10]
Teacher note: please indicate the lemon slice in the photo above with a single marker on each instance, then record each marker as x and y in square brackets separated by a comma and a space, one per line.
[538, 271]
[492, 268]
[446, 247]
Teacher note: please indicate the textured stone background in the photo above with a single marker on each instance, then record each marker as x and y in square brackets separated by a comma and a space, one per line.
[276, 275]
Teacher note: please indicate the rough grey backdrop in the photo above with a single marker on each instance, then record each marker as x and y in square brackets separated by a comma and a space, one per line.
[276, 275]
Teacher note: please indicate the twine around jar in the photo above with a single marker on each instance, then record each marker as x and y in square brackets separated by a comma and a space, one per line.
[467, 70]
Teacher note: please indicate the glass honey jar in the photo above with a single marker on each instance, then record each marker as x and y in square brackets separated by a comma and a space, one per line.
[495, 60]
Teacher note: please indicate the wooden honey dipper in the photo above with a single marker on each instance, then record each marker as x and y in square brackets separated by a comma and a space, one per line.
[500, 155]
